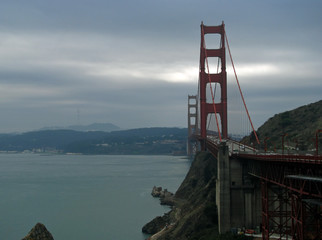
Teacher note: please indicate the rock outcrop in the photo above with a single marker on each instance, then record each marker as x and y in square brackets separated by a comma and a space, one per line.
[194, 213]
[39, 232]
[166, 197]
[156, 191]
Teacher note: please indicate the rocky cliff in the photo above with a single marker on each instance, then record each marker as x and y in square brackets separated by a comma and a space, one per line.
[194, 212]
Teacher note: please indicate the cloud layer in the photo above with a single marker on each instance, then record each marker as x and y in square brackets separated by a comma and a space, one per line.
[133, 63]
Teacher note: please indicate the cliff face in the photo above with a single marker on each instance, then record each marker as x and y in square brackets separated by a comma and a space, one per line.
[194, 214]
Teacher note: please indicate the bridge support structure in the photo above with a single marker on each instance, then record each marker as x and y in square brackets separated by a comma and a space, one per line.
[276, 211]
[237, 194]
[208, 78]
[223, 188]
[291, 195]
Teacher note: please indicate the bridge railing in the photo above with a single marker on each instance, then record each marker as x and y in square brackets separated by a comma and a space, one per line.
[281, 157]
[240, 150]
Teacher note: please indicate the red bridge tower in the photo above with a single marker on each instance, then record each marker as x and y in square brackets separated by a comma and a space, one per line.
[208, 78]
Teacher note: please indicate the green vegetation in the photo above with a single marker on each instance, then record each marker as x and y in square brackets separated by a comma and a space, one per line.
[136, 141]
[298, 127]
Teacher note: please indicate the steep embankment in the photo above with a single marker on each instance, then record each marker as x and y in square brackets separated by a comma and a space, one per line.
[299, 124]
[194, 214]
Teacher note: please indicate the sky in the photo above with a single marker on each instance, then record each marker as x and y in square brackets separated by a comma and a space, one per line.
[133, 63]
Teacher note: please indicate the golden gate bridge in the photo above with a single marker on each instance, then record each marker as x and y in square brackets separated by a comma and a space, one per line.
[281, 193]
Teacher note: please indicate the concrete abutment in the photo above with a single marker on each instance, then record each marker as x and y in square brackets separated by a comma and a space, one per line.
[238, 196]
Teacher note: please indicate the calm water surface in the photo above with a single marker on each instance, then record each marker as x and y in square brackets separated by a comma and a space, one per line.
[84, 197]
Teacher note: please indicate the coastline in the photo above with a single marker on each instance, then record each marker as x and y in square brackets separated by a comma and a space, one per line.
[193, 213]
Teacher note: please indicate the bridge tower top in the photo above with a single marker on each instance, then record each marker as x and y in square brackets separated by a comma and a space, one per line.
[209, 78]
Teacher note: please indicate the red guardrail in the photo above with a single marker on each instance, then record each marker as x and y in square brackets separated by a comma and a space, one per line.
[281, 157]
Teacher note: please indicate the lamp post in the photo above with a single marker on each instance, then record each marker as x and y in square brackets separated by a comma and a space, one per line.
[265, 143]
[317, 141]
[297, 145]
[285, 134]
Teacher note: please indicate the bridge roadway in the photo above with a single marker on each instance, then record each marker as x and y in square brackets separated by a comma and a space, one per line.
[280, 192]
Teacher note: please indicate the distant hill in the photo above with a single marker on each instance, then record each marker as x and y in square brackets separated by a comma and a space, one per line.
[299, 124]
[134, 141]
[47, 140]
[104, 127]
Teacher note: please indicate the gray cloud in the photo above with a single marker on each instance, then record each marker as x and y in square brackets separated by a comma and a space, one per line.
[133, 63]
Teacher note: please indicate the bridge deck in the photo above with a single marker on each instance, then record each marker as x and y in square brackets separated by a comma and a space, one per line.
[243, 151]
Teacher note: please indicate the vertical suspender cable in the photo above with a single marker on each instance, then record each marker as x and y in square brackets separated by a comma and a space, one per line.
[232, 62]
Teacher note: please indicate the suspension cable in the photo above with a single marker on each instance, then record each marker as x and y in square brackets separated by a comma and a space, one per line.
[241, 93]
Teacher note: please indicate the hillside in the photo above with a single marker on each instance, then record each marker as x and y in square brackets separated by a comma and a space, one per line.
[299, 124]
[47, 140]
[194, 213]
[135, 141]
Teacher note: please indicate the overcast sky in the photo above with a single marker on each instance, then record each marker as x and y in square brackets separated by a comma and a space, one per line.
[134, 62]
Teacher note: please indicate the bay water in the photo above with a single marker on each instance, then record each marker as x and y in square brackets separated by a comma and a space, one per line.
[80, 197]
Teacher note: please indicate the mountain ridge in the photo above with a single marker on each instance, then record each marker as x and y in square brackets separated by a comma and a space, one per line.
[104, 127]
[297, 128]
[133, 141]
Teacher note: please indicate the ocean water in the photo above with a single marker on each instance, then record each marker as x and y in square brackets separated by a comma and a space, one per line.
[81, 197]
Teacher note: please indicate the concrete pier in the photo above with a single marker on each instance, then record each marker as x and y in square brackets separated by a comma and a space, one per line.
[238, 196]
[223, 188]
